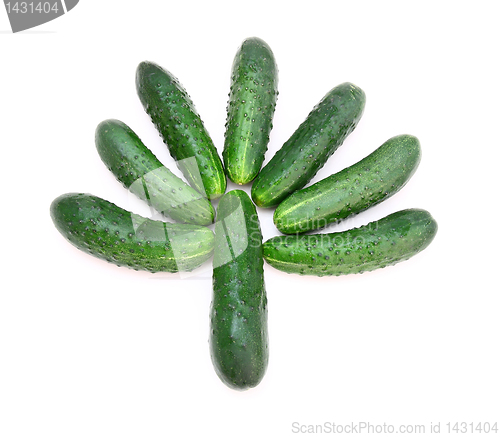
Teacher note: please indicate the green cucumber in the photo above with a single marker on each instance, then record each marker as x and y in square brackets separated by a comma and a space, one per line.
[352, 190]
[309, 147]
[250, 110]
[106, 231]
[138, 169]
[238, 314]
[179, 124]
[385, 242]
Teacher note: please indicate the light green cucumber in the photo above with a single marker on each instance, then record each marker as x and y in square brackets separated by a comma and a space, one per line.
[306, 151]
[173, 113]
[106, 231]
[250, 110]
[238, 315]
[352, 190]
[385, 242]
[138, 169]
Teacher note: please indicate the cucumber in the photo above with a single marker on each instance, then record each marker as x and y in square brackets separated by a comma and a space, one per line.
[138, 169]
[108, 232]
[385, 242]
[352, 190]
[179, 124]
[309, 147]
[238, 314]
[250, 110]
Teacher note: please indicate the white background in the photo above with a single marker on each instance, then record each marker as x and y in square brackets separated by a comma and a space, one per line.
[90, 349]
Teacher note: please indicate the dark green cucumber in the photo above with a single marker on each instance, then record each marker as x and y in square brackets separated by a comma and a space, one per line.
[250, 110]
[385, 242]
[352, 190]
[309, 147]
[138, 169]
[108, 232]
[179, 124]
[238, 315]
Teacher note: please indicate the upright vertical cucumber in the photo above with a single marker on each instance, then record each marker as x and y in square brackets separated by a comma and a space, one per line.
[179, 124]
[138, 169]
[309, 147]
[250, 110]
[106, 231]
[238, 315]
[385, 242]
[352, 190]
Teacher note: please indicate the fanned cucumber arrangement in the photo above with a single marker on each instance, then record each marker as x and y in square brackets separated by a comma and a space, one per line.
[238, 338]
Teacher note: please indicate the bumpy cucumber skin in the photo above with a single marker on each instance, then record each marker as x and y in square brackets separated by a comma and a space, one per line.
[356, 188]
[179, 124]
[238, 314]
[138, 169]
[250, 110]
[309, 147]
[108, 232]
[385, 242]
